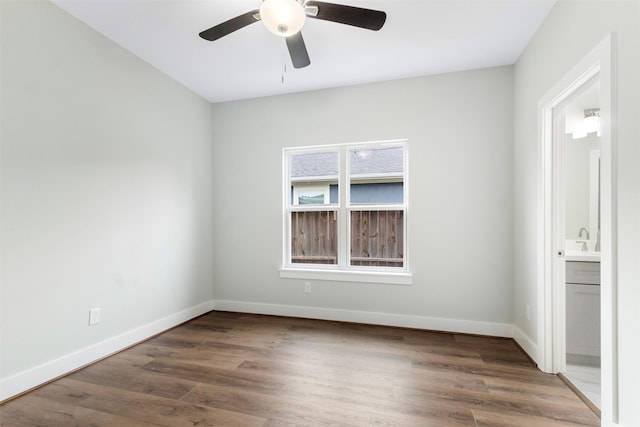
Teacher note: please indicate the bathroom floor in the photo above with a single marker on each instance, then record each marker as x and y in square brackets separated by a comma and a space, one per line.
[587, 380]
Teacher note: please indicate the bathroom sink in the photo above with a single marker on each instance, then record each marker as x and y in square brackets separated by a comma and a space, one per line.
[585, 256]
[573, 250]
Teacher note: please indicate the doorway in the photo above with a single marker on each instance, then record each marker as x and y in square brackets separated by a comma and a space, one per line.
[576, 123]
[596, 67]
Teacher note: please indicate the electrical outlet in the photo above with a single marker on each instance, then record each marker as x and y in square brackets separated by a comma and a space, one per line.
[94, 316]
[307, 287]
[528, 311]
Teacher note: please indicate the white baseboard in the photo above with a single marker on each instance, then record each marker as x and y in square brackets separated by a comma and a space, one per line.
[526, 343]
[27, 380]
[373, 318]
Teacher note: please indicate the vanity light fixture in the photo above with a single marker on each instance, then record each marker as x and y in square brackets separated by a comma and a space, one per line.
[591, 120]
[590, 124]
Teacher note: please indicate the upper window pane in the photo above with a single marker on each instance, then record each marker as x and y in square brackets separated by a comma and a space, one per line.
[378, 161]
[376, 175]
[314, 178]
[311, 166]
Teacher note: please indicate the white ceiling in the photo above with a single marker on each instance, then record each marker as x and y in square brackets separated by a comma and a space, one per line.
[420, 37]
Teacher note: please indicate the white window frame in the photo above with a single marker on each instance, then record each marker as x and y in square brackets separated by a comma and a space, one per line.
[343, 271]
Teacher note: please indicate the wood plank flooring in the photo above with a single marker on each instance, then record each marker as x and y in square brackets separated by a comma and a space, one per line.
[231, 369]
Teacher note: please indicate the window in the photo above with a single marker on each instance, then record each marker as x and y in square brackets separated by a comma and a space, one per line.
[345, 212]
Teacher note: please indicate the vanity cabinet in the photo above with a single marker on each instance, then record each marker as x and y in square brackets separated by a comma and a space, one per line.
[583, 273]
[583, 308]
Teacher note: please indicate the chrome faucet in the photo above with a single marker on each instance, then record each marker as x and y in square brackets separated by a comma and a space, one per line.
[585, 232]
[584, 247]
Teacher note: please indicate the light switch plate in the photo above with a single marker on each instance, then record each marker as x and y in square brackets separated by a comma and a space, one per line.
[94, 316]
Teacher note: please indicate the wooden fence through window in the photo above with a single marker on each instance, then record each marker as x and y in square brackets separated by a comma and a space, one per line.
[314, 237]
[377, 238]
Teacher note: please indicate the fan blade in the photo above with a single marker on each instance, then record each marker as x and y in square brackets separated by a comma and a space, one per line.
[228, 27]
[349, 15]
[298, 50]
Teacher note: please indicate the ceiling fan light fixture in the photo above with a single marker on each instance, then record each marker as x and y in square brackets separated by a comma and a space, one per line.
[283, 18]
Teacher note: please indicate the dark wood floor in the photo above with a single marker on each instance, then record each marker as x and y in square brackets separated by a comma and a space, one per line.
[227, 369]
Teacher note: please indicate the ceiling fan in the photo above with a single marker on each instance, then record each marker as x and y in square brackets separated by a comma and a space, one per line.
[285, 18]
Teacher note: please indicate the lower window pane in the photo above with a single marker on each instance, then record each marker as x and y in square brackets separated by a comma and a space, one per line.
[377, 238]
[314, 237]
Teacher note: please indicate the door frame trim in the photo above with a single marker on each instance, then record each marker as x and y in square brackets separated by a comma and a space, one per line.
[550, 331]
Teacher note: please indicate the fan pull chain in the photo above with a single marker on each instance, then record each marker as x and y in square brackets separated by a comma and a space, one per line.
[284, 67]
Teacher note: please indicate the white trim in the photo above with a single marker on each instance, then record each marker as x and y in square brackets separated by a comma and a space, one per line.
[526, 343]
[558, 237]
[38, 375]
[599, 60]
[384, 176]
[314, 178]
[352, 275]
[306, 148]
[371, 318]
[344, 226]
[594, 193]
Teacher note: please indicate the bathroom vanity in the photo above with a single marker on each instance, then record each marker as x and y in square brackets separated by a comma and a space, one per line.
[583, 307]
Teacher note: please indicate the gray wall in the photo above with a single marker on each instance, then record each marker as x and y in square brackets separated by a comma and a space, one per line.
[571, 30]
[105, 191]
[459, 128]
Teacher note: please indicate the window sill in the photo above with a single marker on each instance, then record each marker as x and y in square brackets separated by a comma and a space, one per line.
[390, 278]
